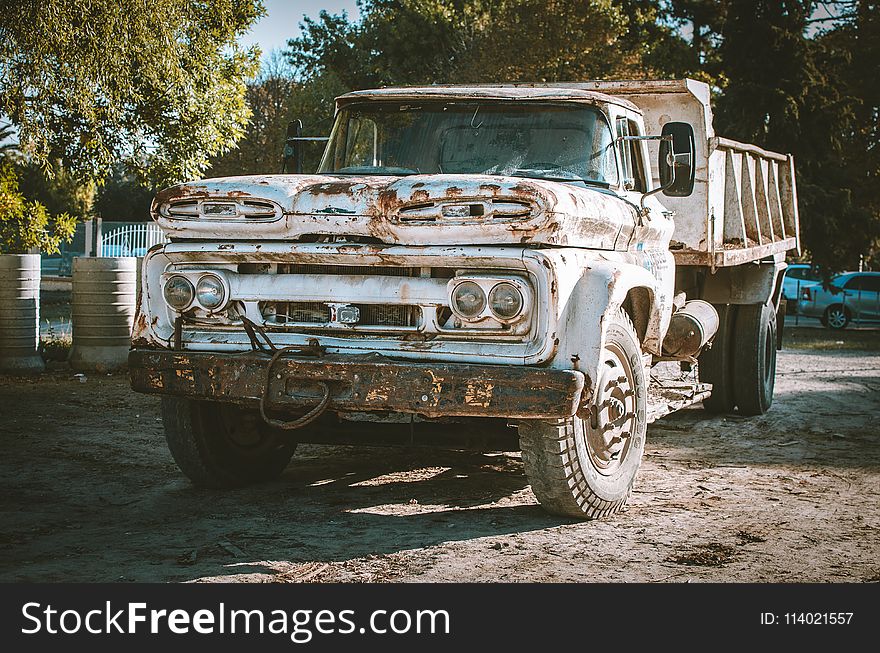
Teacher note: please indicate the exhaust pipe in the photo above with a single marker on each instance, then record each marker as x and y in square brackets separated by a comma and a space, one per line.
[690, 329]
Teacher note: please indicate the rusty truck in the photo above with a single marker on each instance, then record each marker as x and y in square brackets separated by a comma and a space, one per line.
[560, 263]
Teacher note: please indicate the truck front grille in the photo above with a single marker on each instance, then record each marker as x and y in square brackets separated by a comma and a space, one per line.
[317, 313]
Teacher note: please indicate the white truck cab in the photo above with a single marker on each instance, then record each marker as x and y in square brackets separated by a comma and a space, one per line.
[510, 259]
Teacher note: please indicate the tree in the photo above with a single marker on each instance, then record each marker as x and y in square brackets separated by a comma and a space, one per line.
[459, 41]
[7, 145]
[811, 96]
[267, 96]
[158, 85]
[27, 225]
[122, 197]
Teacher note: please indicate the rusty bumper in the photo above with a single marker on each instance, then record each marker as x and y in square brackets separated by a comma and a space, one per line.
[360, 383]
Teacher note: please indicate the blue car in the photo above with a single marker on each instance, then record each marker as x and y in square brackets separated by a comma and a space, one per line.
[849, 296]
[797, 277]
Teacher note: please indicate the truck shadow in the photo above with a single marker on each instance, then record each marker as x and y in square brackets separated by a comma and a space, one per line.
[808, 428]
[336, 504]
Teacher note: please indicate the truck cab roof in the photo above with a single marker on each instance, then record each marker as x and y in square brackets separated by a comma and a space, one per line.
[491, 92]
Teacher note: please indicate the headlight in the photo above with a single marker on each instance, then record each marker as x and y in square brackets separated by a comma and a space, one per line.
[468, 299]
[505, 301]
[210, 292]
[178, 292]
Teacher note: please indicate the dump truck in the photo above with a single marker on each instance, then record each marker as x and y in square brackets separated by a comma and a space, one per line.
[543, 266]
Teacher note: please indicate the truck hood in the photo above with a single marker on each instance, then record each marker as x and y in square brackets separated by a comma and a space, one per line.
[413, 210]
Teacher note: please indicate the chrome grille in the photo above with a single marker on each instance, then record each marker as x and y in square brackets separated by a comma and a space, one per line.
[387, 315]
[296, 268]
[302, 312]
[289, 313]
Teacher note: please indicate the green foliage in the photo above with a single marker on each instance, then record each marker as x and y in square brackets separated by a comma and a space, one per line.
[56, 188]
[815, 97]
[158, 85]
[460, 41]
[27, 225]
[276, 98]
[122, 197]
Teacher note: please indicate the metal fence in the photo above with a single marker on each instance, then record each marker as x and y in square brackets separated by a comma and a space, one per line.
[101, 238]
[130, 239]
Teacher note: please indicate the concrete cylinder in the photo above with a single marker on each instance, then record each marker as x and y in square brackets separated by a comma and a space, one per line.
[20, 314]
[102, 306]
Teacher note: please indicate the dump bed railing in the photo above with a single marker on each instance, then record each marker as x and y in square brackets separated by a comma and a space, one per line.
[752, 206]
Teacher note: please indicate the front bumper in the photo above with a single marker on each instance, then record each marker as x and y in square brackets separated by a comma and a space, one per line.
[360, 383]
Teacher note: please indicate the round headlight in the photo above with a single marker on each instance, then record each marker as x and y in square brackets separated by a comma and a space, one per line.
[468, 299]
[178, 292]
[210, 292]
[505, 301]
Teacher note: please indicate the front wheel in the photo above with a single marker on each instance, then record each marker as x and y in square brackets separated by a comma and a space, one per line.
[585, 466]
[219, 445]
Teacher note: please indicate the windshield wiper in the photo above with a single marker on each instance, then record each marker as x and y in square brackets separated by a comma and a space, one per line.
[534, 174]
[375, 170]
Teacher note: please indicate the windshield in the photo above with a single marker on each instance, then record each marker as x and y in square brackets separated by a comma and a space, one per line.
[558, 142]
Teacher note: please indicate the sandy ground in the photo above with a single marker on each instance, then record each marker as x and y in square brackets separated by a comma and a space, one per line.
[88, 492]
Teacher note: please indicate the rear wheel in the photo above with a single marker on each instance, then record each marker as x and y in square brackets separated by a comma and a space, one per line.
[221, 445]
[836, 317]
[585, 466]
[715, 365]
[754, 359]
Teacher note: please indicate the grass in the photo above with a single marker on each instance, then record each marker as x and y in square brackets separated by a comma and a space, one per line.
[831, 340]
[56, 342]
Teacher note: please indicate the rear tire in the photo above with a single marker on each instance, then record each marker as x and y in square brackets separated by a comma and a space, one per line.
[754, 360]
[715, 365]
[586, 468]
[836, 317]
[219, 445]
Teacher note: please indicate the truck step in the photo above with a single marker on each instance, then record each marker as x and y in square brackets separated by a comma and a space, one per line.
[668, 396]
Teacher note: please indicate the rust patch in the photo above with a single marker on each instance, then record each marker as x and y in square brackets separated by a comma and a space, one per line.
[387, 201]
[140, 323]
[420, 196]
[333, 188]
[181, 191]
[186, 375]
[479, 394]
[453, 191]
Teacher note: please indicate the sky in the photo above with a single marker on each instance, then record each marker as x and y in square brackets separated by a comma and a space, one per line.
[283, 18]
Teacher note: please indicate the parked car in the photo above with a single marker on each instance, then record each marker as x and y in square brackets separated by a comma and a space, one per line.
[797, 277]
[849, 296]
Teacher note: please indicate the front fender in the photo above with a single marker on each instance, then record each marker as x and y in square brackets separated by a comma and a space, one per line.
[591, 287]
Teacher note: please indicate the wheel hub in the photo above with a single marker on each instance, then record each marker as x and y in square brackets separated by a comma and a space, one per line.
[612, 416]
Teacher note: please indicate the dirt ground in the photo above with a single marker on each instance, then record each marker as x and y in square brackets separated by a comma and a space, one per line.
[89, 492]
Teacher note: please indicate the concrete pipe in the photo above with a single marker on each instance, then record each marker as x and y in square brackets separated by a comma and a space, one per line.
[20, 314]
[103, 305]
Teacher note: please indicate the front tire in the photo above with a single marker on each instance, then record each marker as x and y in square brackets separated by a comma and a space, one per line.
[585, 467]
[220, 445]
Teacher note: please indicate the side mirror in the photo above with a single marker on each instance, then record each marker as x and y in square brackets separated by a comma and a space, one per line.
[677, 159]
[291, 159]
